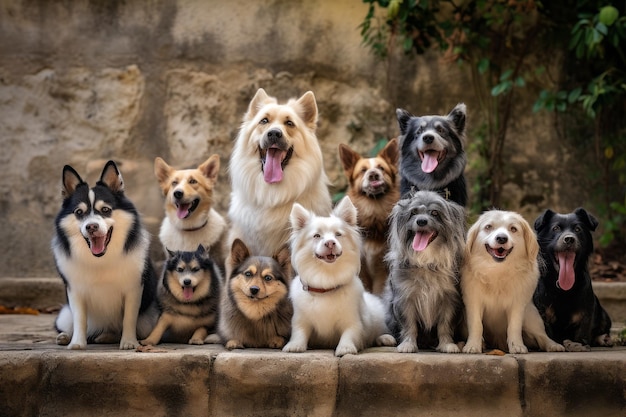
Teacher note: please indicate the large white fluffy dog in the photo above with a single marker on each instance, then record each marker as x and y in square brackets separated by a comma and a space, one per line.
[331, 309]
[276, 162]
[498, 278]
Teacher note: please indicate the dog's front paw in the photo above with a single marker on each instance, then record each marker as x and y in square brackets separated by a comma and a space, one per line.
[77, 346]
[128, 344]
[516, 347]
[213, 338]
[276, 342]
[386, 340]
[448, 348]
[294, 347]
[149, 342]
[555, 347]
[234, 344]
[604, 340]
[473, 348]
[407, 346]
[196, 341]
[346, 349]
[572, 346]
[63, 339]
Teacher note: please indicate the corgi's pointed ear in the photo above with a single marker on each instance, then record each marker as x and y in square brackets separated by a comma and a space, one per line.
[162, 170]
[348, 158]
[390, 152]
[259, 100]
[346, 211]
[238, 253]
[112, 177]
[70, 180]
[308, 109]
[210, 168]
[403, 120]
[299, 217]
[457, 117]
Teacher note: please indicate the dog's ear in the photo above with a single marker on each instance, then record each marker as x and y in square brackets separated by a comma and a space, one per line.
[259, 100]
[472, 233]
[390, 152]
[162, 171]
[238, 252]
[299, 217]
[349, 158]
[201, 251]
[346, 211]
[112, 177]
[457, 117]
[587, 218]
[170, 253]
[308, 109]
[283, 257]
[71, 180]
[403, 120]
[211, 167]
[543, 219]
[530, 240]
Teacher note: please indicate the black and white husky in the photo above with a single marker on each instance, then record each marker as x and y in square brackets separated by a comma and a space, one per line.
[101, 252]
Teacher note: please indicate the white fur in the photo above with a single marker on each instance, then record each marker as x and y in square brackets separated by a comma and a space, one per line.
[173, 237]
[259, 212]
[498, 295]
[345, 317]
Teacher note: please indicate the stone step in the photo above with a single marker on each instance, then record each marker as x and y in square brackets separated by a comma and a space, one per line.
[37, 377]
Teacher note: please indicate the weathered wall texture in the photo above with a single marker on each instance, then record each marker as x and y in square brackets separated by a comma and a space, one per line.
[83, 81]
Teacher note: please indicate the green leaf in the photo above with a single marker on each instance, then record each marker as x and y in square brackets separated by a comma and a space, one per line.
[520, 82]
[601, 27]
[483, 66]
[574, 94]
[506, 75]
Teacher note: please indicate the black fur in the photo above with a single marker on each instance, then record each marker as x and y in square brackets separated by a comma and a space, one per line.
[575, 314]
[418, 133]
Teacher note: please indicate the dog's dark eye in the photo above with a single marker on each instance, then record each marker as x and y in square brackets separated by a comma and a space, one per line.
[78, 212]
[105, 210]
[316, 236]
[578, 229]
[439, 129]
[180, 269]
[414, 211]
[247, 274]
[290, 123]
[488, 227]
[264, 121]
[363, 169]
[419, 130]
[195, 269]
[434, 213]
[192, 181]
[174, 183]
[268, 277]
[338, 234]
[556, 228]
[513, 229]
[382, 168]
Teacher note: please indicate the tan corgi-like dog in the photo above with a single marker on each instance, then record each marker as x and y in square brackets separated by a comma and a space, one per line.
[190, 219]
[255, 309]
[374, 188]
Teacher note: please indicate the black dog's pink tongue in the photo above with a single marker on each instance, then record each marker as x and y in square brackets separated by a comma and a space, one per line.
[182, 210]
[566, 270]
[430, 161]
[272, 169]
[421, 241]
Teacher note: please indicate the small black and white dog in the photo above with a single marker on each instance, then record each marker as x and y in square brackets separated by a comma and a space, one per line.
[426, 242]
[564, 296]
[432, 155]
[101, 252]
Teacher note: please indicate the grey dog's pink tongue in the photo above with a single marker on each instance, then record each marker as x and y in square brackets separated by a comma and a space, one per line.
[430, 161]
[272, 169]
[566, 270]
[421, 240]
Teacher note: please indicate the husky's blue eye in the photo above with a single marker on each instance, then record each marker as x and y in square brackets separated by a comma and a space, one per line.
[264, 121]
[268, 277]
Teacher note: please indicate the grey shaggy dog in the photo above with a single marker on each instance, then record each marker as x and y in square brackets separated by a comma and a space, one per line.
[426, 242]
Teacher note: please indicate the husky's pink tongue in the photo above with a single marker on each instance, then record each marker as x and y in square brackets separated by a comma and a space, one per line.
[187, 293]
[421, 240]
[272, 170]
[182, 210]
[97, 244]
[566, 270]
[430, 161]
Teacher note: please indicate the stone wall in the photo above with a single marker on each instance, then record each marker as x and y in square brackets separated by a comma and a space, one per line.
[82, 82]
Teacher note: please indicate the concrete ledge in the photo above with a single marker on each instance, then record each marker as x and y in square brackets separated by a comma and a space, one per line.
[37, 377]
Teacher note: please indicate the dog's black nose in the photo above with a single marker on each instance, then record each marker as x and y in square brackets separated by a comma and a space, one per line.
[502, 239]
[178, 194]
[422, 222]
[428, 139]
[274, 135]
[373, 176]
[569, 240]
[186, 282]
[92, 227]
[254, 290]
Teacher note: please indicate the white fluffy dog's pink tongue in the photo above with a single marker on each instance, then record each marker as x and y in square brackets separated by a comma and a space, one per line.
[187, 293]
[430, 161]
[272, 170]
[182, 210]
[421, 240]
[566, 270]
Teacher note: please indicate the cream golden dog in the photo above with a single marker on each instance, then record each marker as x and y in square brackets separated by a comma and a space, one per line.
[276, 162]
[498, 278]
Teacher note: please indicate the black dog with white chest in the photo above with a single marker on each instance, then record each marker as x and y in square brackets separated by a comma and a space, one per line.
[432, 155]
[564, 296]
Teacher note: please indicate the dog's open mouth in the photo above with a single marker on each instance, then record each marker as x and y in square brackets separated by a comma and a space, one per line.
[329, 257]
[567, 276]
[188, 292]
[422, 239]
[98, 244]
[498, 254]
[184, 210]
[375, 188]
[431, 159]
[273, 162]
